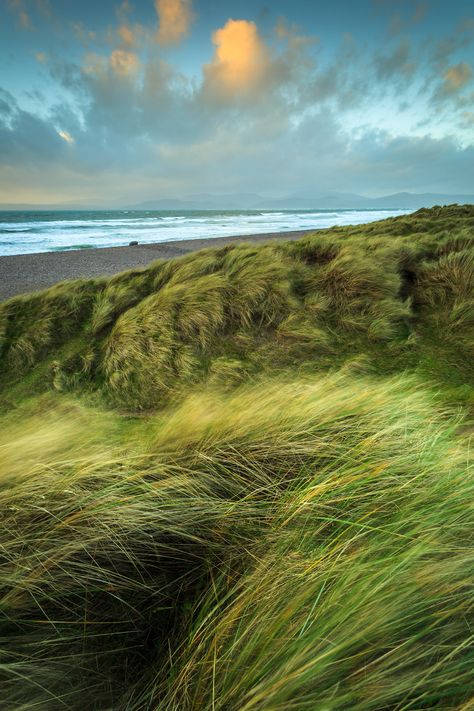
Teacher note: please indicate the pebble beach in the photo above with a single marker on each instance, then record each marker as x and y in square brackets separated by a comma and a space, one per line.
[24, 273]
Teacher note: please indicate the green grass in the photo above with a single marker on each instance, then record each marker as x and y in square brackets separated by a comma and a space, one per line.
[242, 480]
[394, 292]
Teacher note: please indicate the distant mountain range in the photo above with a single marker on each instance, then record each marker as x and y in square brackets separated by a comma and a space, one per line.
[253, 201]
[330, 201]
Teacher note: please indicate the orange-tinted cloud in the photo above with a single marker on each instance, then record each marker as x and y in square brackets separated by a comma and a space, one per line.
[241, 60]
[175, 18]
[127, 35]
[124, 63]
[121, 62]
[456, 77]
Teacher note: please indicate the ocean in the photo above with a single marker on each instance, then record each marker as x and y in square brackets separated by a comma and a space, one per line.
[26, 232]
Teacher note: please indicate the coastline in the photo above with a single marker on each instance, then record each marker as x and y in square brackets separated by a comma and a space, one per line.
[24, 273]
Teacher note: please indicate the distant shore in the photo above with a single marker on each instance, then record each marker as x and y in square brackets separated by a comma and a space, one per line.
[23, 273]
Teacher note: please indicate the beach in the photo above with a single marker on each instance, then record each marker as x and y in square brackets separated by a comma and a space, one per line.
[24, 273]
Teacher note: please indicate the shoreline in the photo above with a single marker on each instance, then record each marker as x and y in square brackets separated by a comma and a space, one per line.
[25, 273]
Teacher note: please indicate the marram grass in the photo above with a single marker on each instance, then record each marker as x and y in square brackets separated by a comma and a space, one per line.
[298, 544]
[265, 535]
[397, 293]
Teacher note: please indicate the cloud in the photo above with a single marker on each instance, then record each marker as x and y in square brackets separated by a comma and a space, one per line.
[18, 7]
[467, 25]
[124, 63]
[399, 23]
[124, 101]
[420, 13]
[396, 62]
[121, 64]
[26, 139]
[292, 34]
[444, 49]
[85, 36]
[175, 18]
[241, 61]
[66, 136]
[344, 83]
[133, 150]
[44, 8]
[396, 24]
[449, 92]
[313, 157]
[456, 78]
[126, 35]
[467, 119]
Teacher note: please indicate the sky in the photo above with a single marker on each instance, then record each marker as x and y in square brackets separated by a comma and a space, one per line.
[116, 102]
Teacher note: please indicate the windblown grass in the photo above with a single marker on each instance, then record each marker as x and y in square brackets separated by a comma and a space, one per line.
[294, 545]
[394, 292]
[196, 514]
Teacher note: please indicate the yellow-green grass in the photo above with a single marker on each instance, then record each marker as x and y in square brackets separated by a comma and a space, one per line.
[242, 480]
[391, 295]
[298, 544]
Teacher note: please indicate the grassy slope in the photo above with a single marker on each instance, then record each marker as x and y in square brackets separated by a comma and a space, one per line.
[287, 525]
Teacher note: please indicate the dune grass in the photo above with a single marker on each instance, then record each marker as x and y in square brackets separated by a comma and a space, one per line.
[243, 480]
[393, 293]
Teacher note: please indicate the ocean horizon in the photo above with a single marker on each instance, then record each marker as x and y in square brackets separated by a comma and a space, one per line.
[27, 232]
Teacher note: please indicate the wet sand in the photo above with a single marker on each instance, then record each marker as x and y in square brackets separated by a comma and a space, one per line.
[23, 273]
